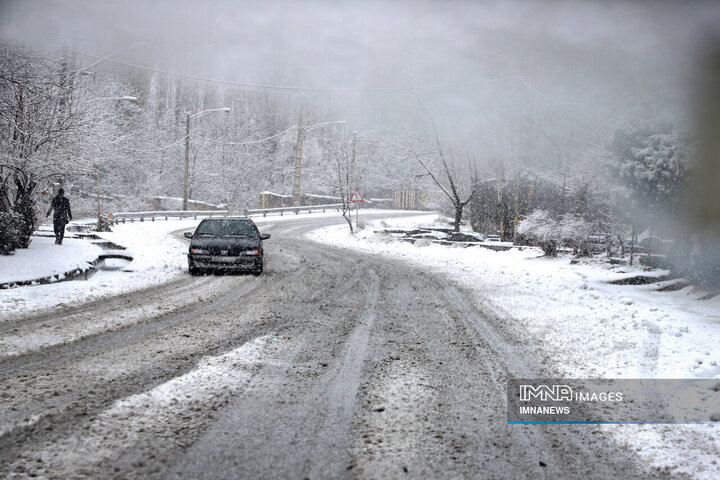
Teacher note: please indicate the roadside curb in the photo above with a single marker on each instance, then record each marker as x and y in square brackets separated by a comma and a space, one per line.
[84, 272]
[79, 273]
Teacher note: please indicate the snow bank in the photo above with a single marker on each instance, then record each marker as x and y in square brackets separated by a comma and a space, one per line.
[44, 259]
[158, 257]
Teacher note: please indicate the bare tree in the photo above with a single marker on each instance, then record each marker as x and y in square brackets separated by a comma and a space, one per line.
[340, 153]
[459, 188]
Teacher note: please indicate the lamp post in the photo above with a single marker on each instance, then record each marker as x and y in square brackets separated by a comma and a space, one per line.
[188, 116]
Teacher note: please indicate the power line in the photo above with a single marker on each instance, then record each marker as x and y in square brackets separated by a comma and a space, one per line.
[102, 59]
[249, 142]
[258, 86]
[294, 88]
[154, 149]
[548, 97]
[222, 142]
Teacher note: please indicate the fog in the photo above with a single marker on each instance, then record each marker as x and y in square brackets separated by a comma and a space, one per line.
[472, 64]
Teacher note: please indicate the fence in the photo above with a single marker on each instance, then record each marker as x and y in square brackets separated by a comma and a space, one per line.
[295, 210]
[123, 217]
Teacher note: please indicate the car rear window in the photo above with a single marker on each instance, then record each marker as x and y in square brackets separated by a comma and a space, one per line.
[226, 227]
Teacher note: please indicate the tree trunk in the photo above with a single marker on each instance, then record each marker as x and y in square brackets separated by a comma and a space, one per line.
[517, 210]
[499, 205]
[458, 216]
[348, 218]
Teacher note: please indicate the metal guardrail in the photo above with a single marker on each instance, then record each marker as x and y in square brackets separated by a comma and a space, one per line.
[122, 217]
[296, 210]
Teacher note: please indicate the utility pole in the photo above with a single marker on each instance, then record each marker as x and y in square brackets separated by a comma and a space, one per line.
[517, 208]
[187, 161]
[499, 179]
[99, 211]
[297, 184]
[564, 191]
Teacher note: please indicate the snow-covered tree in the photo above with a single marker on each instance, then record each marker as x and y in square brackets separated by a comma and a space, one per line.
[41, 125]
[550, 231]
[541, 228]
[651, 163]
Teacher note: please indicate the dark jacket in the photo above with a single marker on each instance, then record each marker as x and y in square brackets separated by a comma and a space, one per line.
[61, 205]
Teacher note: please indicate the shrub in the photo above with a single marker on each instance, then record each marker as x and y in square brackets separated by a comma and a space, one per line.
[550, 232]
[10, 228]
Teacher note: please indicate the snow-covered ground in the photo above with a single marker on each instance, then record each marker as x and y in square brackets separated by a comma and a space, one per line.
[44, 258]
[587, 327]
[158, 257]
[593, 328]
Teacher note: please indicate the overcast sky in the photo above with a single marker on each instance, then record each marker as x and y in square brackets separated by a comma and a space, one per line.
[473, 60]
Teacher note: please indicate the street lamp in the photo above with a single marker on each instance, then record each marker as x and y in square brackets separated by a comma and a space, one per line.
[188, 116]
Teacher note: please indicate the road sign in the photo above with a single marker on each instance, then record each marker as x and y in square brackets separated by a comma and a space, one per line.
[356, 196]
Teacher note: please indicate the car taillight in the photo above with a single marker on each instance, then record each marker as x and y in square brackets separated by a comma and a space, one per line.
[197, 250]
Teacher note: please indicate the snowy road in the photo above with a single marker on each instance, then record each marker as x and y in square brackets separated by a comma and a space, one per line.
[333, 364]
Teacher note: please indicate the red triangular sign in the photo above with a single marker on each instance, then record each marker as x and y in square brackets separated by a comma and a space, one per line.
[356, 196]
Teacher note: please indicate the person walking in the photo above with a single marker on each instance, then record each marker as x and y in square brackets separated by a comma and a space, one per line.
[62, 215]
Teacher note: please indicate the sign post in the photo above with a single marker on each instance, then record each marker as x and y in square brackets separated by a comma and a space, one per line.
[357, 199]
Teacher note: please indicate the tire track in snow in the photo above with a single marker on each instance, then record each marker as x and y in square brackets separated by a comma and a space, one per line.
[65, 329]
[163, 418]
[340, 392]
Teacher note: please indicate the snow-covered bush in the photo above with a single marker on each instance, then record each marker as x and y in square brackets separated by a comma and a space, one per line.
[10, 225]
[550, 232]
[493, 208]
[541, 228]
[26, 208]
[104, 224]
[575, 232]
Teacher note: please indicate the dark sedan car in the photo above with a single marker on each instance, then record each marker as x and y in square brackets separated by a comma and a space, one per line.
[226, 244]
